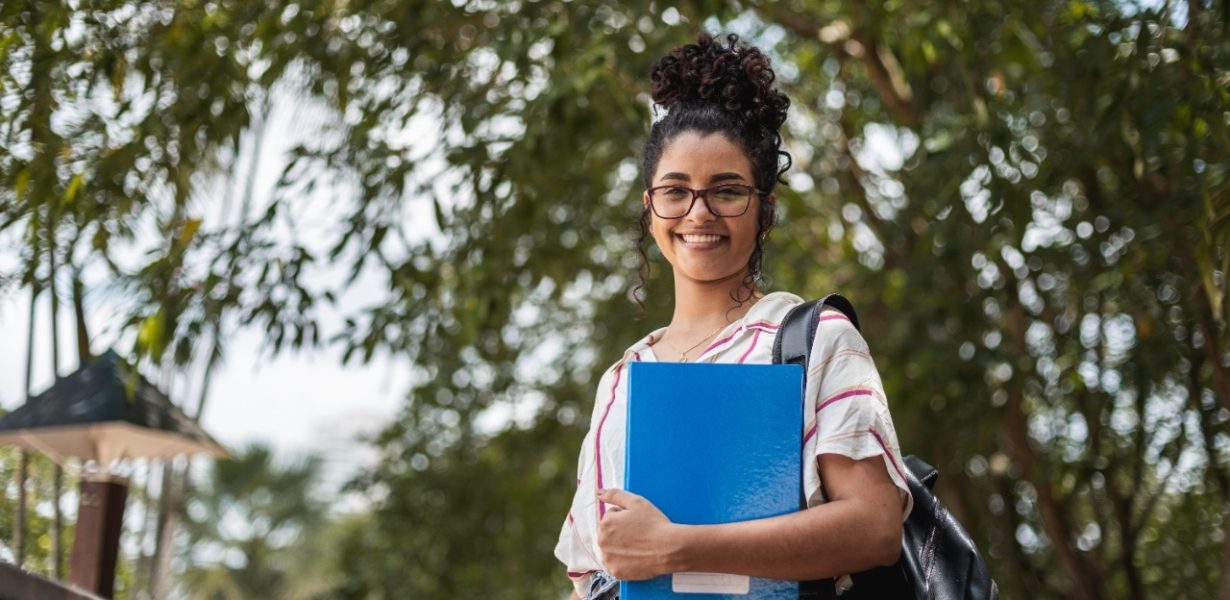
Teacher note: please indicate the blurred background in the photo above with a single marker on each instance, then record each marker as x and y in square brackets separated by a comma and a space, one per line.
[383, 250]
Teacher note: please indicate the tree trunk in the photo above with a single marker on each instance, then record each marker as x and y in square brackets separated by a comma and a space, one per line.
[1213, 356]
[1055, 522]
[170, 503]
[176, 485]
[47, 145]
[83, 334]
[57, 523]
[1224, 591]
[57, 477]
[141, 572]
[160, 526]
[19, 525]
[23, 470]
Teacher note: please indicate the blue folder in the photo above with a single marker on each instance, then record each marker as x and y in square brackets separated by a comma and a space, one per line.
[714, 443]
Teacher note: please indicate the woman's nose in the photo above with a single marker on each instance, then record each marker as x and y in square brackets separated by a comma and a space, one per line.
[700, 210]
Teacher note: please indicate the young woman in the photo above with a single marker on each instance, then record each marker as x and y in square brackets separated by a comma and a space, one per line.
[710, 166]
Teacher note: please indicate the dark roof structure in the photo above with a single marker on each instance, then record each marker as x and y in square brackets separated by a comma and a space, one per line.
[105, 411]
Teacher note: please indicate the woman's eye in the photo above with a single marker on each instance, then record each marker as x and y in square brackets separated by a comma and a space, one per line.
[675, 193]
[730, 193]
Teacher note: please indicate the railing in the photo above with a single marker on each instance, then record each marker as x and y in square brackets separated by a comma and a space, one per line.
[16, 584]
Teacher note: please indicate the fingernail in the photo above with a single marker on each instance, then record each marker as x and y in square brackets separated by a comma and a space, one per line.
[601, 491]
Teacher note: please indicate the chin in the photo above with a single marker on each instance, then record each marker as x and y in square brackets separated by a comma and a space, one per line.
[703, 275]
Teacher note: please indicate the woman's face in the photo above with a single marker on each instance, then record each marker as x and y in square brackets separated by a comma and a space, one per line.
[700, 246]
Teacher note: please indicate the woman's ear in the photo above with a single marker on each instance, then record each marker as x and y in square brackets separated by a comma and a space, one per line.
[645, 199]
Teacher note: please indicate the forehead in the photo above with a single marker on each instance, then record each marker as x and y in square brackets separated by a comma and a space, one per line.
[700, 155]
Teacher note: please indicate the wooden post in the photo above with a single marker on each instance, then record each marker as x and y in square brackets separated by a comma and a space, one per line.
[96, 545]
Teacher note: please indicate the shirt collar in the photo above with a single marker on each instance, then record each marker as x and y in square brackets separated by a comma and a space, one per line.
[771, 308]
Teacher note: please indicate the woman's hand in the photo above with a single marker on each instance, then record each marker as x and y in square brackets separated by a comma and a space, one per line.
[859, 527]
[637, 541]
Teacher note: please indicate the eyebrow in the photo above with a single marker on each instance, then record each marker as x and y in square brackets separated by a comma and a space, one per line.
[728, 176]
[725, 177]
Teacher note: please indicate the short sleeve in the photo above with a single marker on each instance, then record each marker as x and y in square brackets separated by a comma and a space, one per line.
[575, 545]
[571, 551]
[851, 411]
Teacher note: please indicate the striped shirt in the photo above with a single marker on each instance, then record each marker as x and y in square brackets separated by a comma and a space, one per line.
[845, 413]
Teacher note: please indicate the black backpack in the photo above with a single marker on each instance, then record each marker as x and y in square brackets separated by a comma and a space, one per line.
[938, 559]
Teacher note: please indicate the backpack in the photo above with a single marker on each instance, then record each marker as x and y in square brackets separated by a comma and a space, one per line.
[938, 560]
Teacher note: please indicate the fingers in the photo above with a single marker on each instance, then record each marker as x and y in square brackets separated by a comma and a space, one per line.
[618, 498]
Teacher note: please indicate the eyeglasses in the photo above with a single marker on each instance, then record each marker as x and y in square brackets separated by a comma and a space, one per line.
[726, 200]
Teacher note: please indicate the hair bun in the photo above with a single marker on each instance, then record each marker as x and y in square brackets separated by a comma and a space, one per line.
[738, 79]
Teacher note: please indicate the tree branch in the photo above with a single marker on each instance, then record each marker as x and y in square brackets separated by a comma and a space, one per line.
[854, 177]
[883, 69]
[1206, 321]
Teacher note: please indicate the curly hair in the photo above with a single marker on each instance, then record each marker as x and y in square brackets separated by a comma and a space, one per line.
[715, 87]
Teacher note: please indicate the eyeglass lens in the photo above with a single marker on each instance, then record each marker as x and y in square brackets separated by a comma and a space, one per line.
[672, 202]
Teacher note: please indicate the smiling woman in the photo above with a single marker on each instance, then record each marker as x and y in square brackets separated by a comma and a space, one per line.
[710, 240]
[710, 167]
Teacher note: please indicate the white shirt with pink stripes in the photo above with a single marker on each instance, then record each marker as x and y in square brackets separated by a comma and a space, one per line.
[845, 411]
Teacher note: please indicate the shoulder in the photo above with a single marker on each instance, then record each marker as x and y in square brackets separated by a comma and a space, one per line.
[772, 308]
[835, 332]
[833, 324]
[632, 353]
[605, 392]
[840, 347]
[609, 375]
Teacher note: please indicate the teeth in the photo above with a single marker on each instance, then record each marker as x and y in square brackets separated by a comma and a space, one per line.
[700, 239]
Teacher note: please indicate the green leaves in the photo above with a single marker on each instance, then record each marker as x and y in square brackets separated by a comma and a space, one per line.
[1027, 203]
[151, 338]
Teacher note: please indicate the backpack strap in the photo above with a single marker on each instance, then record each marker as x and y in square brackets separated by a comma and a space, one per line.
[797, 331]
[792, 346]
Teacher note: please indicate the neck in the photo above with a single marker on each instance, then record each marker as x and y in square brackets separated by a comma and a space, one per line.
[701, 306]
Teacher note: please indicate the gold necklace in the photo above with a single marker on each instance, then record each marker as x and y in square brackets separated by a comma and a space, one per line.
[683, 356]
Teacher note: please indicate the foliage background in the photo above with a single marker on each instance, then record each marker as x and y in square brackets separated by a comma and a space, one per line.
[1027, 202]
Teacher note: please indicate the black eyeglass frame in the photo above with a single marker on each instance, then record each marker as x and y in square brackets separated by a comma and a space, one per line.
[703, 193]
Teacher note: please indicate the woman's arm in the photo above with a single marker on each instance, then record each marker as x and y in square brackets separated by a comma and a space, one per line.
[857, 529]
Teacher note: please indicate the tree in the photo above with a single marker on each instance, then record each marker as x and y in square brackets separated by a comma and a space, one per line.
[1034, 233]
[1027, 204]
[244, 523]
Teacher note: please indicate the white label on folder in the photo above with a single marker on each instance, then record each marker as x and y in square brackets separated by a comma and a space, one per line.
[710, 583]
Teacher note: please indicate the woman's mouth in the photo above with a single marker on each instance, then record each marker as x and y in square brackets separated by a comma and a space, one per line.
[700, 240]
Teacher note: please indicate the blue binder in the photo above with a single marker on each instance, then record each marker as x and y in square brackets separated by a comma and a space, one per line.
[714, 443]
